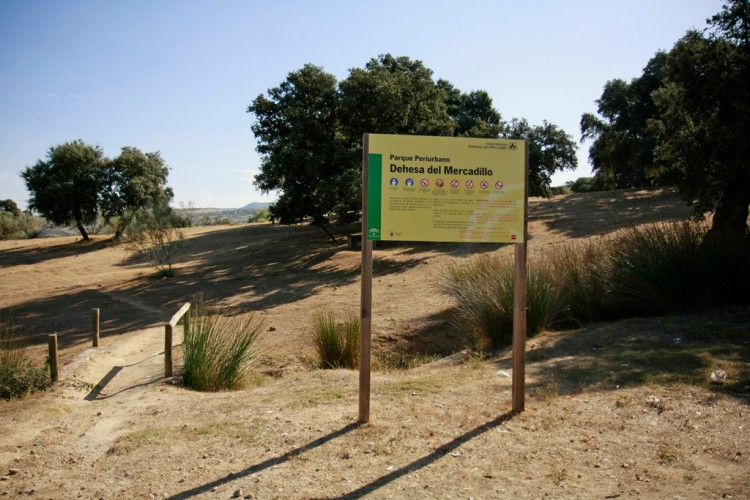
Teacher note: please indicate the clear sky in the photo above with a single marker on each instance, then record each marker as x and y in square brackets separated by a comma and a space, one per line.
[176, 76]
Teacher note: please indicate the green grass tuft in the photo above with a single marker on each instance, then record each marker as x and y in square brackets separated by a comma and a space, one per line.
[646, 270]
[219, 350]
[336, 343]
[19, 376]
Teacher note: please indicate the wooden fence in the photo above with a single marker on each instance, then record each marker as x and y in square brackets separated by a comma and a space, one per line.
[168, 333]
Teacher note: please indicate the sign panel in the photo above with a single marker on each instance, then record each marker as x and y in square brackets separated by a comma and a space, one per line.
[445, 189]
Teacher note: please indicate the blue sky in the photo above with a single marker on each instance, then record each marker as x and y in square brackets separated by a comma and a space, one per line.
[177, 76]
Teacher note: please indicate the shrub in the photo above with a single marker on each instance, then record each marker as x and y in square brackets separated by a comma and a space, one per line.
[651, 269]
[657, 268]
[21, 225]
[337, 344]
[219, 350]
[260, 215]
[660, 268]
[484, 288]
[152, 235]
[18, 374]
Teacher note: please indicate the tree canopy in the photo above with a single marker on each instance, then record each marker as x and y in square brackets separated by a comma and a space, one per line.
[133, 180]
[76, 183]
[65, 188]
[622, 153]
[309, 131]
[685, 121]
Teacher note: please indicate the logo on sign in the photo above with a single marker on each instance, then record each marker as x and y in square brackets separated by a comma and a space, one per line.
[394, 182]
[424, 183]
[470, 184]
[410, 182]
[499, 185]
[484, 184]
[439, 183]
[454, 183]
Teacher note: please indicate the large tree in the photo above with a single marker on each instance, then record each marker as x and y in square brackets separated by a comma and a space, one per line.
[76, 183]
[704, 121]
[622, 153]
[132, 181]
[65, 188]
[309, 132]
[393, 95]
[551, 150]
[473, 114]
[299, 140]
[685, 122]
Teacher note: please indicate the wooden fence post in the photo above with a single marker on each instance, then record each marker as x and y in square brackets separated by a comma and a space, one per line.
[95, 326]
[185, 325]
[168, 350]
[54, 375]
[169, 332]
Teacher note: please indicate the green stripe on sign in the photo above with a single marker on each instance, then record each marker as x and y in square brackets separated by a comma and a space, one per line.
[374, 194]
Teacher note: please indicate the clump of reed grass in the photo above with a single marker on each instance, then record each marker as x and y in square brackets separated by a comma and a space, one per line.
[219, 350]
[19, 375]
[336, 343]
[484, 290]
[645, 270]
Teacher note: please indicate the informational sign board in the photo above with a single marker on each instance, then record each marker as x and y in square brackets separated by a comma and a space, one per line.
[446, 189]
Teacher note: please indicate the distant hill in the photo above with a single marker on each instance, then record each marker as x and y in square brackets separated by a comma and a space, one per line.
[256, 205]
[204, 216]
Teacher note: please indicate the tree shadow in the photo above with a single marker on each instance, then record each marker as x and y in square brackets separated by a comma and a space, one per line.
[595, 214]
[28, 256]
[69, 316]
[270, 266]
[258, 266]
[640, 351]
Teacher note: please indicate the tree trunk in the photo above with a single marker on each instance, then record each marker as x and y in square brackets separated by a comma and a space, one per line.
[82, 229]
[322, 225]
[730, 217]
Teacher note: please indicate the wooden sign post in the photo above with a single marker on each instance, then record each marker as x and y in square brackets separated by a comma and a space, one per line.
[444, 189]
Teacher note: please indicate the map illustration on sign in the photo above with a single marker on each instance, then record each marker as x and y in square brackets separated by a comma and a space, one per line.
[447, 206]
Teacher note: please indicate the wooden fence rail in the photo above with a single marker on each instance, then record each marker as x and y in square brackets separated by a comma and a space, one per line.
[168, 333]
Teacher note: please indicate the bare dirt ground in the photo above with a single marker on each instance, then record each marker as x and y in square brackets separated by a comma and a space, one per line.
[605, 417]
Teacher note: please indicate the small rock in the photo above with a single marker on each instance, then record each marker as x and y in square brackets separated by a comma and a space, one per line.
[271, 328]
[718, 376]
[13, 471]
[98, 414]
[502, 373]
[238, 493]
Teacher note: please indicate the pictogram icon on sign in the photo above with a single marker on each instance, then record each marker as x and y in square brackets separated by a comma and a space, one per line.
[484, 184]
[424, 183]
[470, 184]
[439, 183]
[454, 183]
[499, 185]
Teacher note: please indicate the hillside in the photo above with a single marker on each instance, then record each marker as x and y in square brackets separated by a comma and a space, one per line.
[605, 418]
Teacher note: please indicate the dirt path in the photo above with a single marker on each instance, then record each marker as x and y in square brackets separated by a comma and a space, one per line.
[97, 395]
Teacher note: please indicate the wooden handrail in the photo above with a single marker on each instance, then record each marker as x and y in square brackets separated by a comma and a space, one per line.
[168, 331]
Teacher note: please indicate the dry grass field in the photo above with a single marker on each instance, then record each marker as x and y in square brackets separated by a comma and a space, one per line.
[613, 410]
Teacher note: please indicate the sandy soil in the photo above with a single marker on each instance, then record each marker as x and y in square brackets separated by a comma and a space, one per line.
[114, 427]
